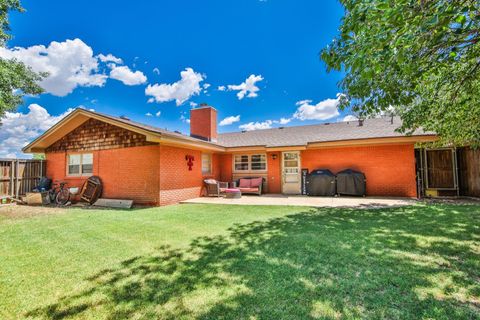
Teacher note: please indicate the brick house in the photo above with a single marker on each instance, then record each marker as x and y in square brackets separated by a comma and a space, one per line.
[151, 165]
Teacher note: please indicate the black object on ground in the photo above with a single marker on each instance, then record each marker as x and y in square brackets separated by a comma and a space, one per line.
[321, 182]
[45, 184]
[351, 183]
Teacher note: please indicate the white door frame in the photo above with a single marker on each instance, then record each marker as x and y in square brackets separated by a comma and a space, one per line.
[291, 187]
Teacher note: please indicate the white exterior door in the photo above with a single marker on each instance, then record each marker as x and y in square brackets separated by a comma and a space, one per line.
[291, 173]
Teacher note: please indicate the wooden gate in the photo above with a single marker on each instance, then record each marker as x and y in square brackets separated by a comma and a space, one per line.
[18, 176]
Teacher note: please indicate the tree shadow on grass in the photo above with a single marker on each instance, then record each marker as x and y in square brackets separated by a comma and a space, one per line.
[399, 263]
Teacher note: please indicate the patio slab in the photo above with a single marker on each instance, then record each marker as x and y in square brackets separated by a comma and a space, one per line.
[288, 200]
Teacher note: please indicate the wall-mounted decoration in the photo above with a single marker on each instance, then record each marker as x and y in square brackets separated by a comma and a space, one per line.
[189, 160]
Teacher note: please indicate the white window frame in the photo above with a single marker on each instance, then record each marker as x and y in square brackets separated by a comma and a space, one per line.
[249, 163]
[80, 169]
[235, 162]
[209, 172]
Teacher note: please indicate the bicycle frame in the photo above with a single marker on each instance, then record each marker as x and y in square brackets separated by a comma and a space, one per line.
[56, 189]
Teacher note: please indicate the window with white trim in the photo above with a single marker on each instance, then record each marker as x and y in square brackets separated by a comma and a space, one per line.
[241, 162]
[258, 162]
[250, 162]
[206, 163]
[80, 164]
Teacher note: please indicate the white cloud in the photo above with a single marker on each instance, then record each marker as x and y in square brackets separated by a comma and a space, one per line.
[285, 120]
[156, 71]
[111, 65]
[151, 100]
[247, 88]
[350, 118]
[70, 64]
[193, 104]
[267, 124]
[180, 91]
[127, 76]
[109, 58]
[323, 110]
[157, 114]
[229, 120]
[206, 86]
[221, 88]
[18, 129]
[184, 119]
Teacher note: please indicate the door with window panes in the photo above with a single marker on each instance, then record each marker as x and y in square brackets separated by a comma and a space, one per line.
[291, 175]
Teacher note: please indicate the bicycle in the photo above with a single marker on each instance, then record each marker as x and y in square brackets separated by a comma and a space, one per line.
[59, 194]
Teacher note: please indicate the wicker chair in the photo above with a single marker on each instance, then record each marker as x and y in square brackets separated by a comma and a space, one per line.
[215, 188]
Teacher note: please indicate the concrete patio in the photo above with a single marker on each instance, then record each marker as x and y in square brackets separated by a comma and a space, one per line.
[286, 200]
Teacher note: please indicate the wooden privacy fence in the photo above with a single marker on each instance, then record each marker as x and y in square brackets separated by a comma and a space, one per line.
[18, 176]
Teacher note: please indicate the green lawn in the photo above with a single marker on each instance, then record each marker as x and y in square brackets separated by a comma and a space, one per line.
[231, 262]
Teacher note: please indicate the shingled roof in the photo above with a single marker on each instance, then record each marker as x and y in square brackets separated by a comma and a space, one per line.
[268, 138]
[298, 135]
[326, 132]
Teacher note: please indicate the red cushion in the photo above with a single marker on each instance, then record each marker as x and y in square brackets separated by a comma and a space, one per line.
[255, 183]
[244, 183]
[249, 189]
[232, 190]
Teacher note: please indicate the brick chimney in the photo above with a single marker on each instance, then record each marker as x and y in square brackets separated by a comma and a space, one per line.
[203, 123]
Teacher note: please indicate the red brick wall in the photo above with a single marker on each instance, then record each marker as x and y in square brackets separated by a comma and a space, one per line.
[390, 169]
[226, 167]
[126, 173]
[203, 123]
[159, 174]
[148, 175]
[130, 173]
[177, 183]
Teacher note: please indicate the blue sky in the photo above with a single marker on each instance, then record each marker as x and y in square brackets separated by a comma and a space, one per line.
[217, 44]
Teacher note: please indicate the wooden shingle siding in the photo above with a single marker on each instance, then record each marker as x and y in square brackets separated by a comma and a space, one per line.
[98, 135]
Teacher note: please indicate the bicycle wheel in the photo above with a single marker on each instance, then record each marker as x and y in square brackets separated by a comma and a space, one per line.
[62, 197]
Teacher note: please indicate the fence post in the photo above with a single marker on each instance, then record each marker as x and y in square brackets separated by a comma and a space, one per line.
[12, 174]
[17, 186]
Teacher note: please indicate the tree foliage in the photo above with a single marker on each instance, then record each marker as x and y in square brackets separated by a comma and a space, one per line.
[16, 79]
[421, 57]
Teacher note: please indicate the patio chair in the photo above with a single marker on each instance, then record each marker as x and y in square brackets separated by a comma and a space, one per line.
[215, 188]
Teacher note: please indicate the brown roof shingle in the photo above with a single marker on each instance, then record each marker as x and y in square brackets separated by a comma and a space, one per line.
[326, 132]
[292, 136]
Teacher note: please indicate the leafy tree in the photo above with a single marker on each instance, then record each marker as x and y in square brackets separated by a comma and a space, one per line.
[420, 57]
[16, 79]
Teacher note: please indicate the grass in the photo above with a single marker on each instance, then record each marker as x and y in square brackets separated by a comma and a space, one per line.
[238, 262]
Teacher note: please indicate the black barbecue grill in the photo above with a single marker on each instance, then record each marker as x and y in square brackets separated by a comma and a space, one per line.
[321, 182]
[351, 182]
